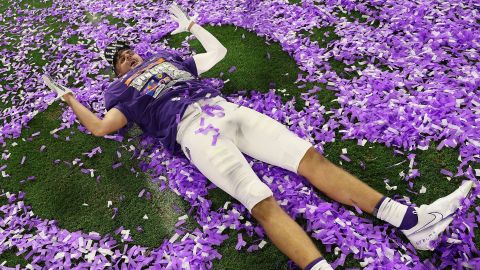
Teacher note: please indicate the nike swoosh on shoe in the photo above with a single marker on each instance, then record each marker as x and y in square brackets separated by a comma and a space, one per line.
[436, 218]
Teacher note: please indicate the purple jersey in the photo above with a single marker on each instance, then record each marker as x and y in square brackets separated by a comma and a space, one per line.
[155, 95]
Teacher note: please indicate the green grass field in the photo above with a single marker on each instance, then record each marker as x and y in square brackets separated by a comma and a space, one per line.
[60, 190]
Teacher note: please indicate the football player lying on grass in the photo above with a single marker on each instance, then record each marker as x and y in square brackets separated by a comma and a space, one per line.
[154, 92]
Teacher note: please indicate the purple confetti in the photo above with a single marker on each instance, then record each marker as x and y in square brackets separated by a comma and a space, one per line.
[232, 69]
[446, 172]
[344, 157]
[240, 242]
[116, 165]
[402, 97]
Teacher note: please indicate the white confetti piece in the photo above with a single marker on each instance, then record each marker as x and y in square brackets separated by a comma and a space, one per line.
[125, 233]
[396, 164]
[225, 206]
[185, 237]
[423, 190]
[268, 179]
[197, 246]
[109, 203]
[145, 216]
[174, 238]
[89, 244]
[84, 204]
[411, 163]
[423, 148]
[59, 255]
[388, 187]
[459, 102]
[94, 234]
[453, 241]
[262, 244]
[340, 222]
[366, 261]
[67, 238]
[221, 228]
[105, 251]
[54, 131]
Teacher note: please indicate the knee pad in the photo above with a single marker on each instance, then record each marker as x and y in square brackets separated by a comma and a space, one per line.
[241, 182]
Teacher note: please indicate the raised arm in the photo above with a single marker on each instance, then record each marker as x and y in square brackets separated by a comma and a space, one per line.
[215, 51]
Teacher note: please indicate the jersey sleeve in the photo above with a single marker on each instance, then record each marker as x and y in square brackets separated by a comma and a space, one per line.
[190, 66]
[111, 96]
[126, 109]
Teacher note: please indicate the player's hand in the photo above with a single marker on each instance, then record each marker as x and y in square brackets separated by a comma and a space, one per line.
[61, 90]
[181, 17]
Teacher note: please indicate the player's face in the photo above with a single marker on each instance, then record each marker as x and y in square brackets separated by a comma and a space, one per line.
[127, 60]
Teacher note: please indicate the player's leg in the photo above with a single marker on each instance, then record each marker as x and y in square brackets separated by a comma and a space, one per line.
[227, 168]
[336, 183]
[287, 235]
[420, 224]
[267, 140]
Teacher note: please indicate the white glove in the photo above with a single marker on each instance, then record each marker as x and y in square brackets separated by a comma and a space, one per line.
[60, 89]
[181, 17]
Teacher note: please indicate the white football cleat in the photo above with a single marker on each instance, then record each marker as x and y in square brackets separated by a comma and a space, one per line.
[434, 218]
